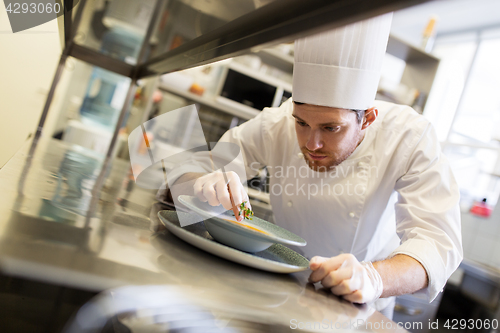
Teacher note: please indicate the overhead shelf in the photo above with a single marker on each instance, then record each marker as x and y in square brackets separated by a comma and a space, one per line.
[235, 109]
[407, 52]
[277, 22]
[276, 58]
[419, 73]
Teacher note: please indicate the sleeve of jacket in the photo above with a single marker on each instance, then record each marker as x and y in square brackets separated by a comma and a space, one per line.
[250, 137]
[427, 211]
[254, 140]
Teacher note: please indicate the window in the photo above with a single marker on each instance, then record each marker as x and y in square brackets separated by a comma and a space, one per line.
[473, 141]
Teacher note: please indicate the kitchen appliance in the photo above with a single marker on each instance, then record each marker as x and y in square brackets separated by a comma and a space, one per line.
[243, 87]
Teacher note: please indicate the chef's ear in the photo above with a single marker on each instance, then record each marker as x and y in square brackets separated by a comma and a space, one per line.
[370, 115]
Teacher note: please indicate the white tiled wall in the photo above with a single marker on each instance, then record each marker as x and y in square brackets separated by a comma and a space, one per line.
[481, 238]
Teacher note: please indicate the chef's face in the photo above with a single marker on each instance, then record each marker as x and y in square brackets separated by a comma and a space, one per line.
[326, 135]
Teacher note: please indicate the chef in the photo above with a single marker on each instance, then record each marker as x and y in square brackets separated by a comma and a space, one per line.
[362, 181]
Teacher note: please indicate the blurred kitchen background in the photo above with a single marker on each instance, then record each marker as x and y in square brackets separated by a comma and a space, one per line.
[442, 59]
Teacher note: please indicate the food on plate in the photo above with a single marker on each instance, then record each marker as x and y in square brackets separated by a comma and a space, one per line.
[246, 212]
[248, 226]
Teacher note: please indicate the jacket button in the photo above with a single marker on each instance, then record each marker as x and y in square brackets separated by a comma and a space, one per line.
[351, 214]
[289, 204]
[300, 155]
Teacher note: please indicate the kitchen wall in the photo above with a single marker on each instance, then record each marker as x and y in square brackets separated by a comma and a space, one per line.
[453, 16]
[27, 66]
[481, 237]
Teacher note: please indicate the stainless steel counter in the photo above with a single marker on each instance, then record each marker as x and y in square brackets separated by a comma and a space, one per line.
[52, 231]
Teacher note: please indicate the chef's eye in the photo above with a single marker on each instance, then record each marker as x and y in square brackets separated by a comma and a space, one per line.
[332, 129]
[301, 123]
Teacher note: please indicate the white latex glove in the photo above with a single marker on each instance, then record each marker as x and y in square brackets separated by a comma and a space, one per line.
[357, 282]
[212, 188]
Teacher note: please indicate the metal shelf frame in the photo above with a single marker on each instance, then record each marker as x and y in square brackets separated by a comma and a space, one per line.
[276, 22]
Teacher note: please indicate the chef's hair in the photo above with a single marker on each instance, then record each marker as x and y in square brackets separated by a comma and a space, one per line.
[359, 113]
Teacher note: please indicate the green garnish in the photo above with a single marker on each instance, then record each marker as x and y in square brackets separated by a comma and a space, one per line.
[245, 212]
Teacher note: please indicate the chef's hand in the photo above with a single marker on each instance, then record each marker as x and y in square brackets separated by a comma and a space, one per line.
[212, 188]
[347, 277]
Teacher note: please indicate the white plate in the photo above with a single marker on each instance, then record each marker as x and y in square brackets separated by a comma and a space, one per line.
[241, 235]
[277, 258]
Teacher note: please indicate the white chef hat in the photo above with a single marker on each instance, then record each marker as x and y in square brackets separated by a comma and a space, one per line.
[341, 67]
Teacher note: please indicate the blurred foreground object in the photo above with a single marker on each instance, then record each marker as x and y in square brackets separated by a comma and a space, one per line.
[429, 35]
[144, 309]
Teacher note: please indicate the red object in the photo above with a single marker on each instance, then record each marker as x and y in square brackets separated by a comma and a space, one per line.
[481, 209]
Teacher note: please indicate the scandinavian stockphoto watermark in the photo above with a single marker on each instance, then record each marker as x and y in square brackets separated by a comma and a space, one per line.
[300, 181]
[296, 188]
[448, 324]
[28, 14]
[352, 325]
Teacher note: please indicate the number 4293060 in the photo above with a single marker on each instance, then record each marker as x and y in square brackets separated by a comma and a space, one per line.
[472, 324]
[33, 8]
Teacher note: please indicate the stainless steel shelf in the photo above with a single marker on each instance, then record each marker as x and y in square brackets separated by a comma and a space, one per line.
[277, 59]
[408, 53]
[279, 21]
[276, 22]
[236, 110]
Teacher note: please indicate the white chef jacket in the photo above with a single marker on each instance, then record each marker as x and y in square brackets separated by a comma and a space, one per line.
[394, 195]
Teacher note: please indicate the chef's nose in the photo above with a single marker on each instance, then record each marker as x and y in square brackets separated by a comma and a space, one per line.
[315, 141]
